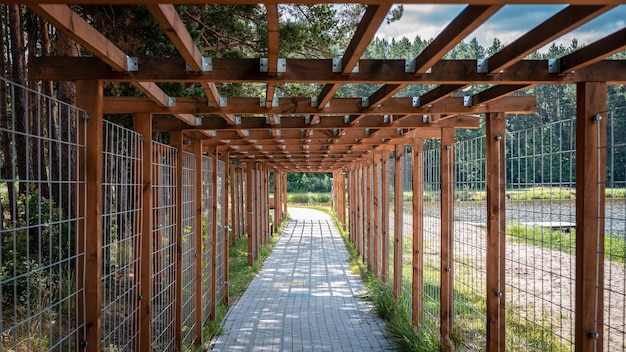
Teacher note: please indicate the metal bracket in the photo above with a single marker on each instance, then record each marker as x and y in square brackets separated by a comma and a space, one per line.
[132, 64]
[212, 133]
[264, 64]
[282, 65]
[416, 102]
[223, 102]
[335, 132]
[171, 102]
[355, 69]
[386, 118]
[85, 116]
[365, 102]
[368, 131]
[314, 102]
[482, 65]
[206, 65]
[468, 101]
[346, 119]
[307, 119]
[426, 118]
[245, 133]
[554, 66]
[409, 66]
[337, 65]
[237, 120]
[198, 121]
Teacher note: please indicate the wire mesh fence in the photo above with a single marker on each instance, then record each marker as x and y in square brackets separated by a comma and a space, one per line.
[189, 248]
[470, 213]
[41, 230]
[222, 234]
[540, 214]
[207, 238]
[614, 251]
[122, 230]
[164, 185]
[431, 230]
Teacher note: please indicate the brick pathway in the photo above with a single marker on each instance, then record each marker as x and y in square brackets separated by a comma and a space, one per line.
[304, 298]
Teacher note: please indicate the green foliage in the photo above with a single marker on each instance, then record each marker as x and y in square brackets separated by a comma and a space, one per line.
[309, 182]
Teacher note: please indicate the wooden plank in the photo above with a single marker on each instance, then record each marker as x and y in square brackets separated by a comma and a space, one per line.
[563, 22]
[378, 207]
[390, 71]
[385, 216]
[590, 204]
[143, 126]
[199, 238]
[398, 178]
[89, 97]
[496, 236]
[594, 52]
[447, 228]
[417, 288]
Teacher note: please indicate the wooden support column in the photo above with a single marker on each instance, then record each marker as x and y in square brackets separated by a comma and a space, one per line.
[277, 213]
[398, 179]
[352, 205]
[590, 203]
[233, 204]
[176, 140]
[377, 211]
[226, 182]
[385, 216]
[367, 207]
[250, 211]
[447, 226]
[214, 230]
[496, 236]
[90, 98]
[418, 231]
[196, 147]
[370, 214]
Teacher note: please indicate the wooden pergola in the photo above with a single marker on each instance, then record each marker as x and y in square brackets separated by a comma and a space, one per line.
[323, 133]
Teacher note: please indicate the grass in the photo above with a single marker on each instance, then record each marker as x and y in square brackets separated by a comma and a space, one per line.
[531, 193]
[309, 198]
[241, 274]
[565, 241]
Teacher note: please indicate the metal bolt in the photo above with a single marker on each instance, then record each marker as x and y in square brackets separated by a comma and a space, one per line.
[140, 297]
[448, 269]
[83, 343]
[498, 294]
[594, 335]
[498, 138]
[597, 117]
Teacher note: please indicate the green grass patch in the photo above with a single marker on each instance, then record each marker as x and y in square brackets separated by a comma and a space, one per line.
[309, 198]
[565, 241]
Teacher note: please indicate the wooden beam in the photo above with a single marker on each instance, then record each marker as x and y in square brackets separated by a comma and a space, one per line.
[391, 71]
[590, 214]
[565, 21]
[496, 236]
[594, 52]
[372, 18]
[230, 2]
[89, 97]
[447, 229]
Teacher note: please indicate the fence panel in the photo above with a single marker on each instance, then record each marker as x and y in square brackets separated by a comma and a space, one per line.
[164, 184]
[189, 248]
[407, 227]
[615, 232]
[470, 216]
[40, 283]
[122, 230]
[207, 238]
[222, 234]
[540, 249]
[432, 231]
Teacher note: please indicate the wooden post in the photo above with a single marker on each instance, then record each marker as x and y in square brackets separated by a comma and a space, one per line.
[590, 203]
[352, 205]
[377, 210]
[176, 140]
[418, 231]
[233, 204]
[367, 208]
[385, 216]
[277, 213]
[447, 226]
[250, 211]
[143, 125]
[90, 98]
[398, 179]
[214, 230]
[197, 150]
[496, 236]
[226, 209]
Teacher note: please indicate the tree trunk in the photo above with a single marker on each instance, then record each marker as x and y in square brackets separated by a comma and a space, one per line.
[7, 168]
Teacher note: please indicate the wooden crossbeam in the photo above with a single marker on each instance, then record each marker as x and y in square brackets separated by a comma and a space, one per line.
[391, 2]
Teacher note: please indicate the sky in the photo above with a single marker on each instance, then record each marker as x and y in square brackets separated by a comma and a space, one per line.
[508, 24]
